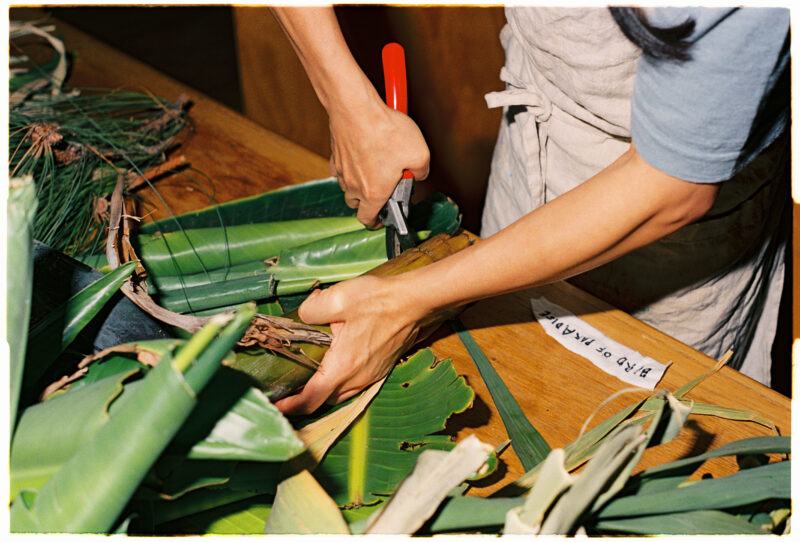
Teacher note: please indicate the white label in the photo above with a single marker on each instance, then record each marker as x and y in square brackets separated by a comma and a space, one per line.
[579, 337]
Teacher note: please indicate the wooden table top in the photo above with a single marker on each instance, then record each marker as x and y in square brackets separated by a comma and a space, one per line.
[557, 389]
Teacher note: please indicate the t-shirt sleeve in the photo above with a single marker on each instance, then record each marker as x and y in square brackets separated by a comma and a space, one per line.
[695, 120]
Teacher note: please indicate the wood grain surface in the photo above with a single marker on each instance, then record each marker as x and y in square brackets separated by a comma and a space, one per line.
[557, 389]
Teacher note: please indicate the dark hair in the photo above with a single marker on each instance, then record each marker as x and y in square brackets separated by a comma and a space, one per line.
[657, 43]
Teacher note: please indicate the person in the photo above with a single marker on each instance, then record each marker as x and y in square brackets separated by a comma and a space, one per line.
[642, 153]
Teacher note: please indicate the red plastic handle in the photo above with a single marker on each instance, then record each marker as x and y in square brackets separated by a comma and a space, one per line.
[394, 79]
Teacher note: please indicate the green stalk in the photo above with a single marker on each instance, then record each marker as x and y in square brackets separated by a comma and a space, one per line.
[169, 283]
[219, 294]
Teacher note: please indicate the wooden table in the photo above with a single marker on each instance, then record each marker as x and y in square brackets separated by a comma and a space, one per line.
[558, 390]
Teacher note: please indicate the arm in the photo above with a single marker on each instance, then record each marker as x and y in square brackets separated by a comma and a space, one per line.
[627, 205]
[371, 144]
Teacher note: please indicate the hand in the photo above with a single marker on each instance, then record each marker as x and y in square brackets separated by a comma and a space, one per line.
[371, 145]
[371, 327]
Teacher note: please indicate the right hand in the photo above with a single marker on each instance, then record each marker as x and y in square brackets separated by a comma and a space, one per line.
[370, 148]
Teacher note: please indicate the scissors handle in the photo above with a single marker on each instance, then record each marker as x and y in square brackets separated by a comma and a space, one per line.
[394, 79]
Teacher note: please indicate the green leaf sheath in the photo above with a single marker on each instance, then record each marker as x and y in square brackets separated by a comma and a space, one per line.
[90, 491]
[335, 259]
[382, 447]
[528, 443]
[203, 249]
[219, 294]
[171, 284]
[19, 279]
[55, 332]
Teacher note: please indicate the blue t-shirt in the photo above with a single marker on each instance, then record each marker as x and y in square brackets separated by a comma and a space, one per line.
[704, 119]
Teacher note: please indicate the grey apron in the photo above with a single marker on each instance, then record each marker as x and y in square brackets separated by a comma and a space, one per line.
[715, 284]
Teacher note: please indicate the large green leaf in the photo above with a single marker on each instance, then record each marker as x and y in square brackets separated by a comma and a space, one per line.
[49, 433]
[381, 448]
[528, 443]
[55, 332]
[245, 516]
[19, 278]
[202, 249]
[312, 199]
[90, 490]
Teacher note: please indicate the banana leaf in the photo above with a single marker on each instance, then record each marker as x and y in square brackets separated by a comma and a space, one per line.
[435, 475]
[381, 448]
[232, 420]
[197, 250]
[333, 259]
[312, 199]
[244, 516]
[254, 287]
[51, 432]
[162, 284]
[19, 279]
[298, 268]
[51, 335]
[90, 490]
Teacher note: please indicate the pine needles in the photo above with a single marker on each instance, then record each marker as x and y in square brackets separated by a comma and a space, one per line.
[76, 146]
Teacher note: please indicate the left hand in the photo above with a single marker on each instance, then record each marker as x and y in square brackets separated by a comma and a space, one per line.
[372, 324]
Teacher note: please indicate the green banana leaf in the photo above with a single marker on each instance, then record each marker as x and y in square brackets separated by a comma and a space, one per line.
[312, 199]
[55, 332]
[297, 268]
[51, 432]
[202, 249]
[19, 279]
[232, 420]
[88, 493]
[162, 284]
[219, 294]
[382, 446]
[528, 443]
[333, 259]
[247, 516]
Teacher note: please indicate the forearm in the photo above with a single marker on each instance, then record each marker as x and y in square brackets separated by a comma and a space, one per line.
[318, 42]
[624, 207]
